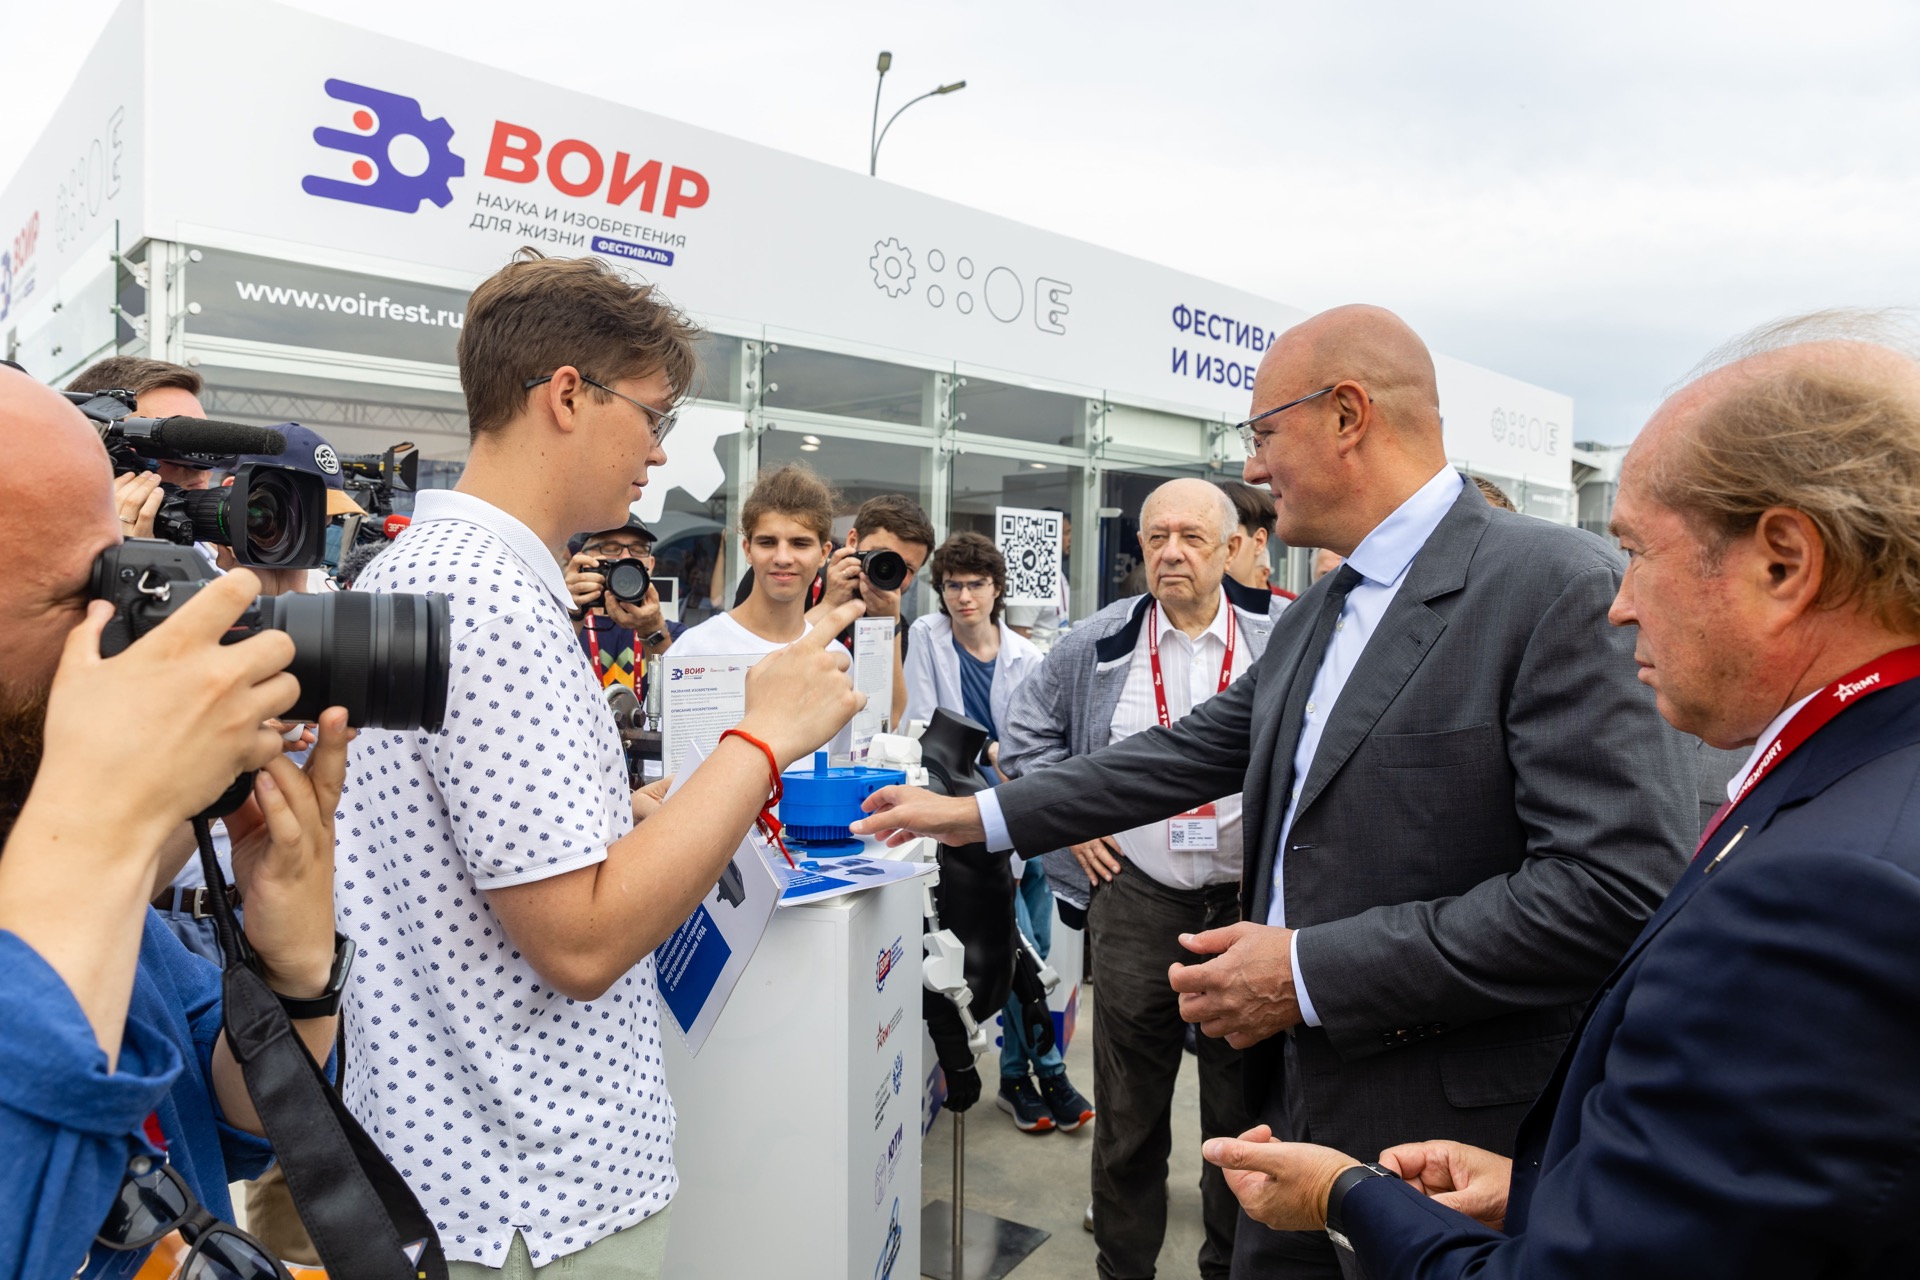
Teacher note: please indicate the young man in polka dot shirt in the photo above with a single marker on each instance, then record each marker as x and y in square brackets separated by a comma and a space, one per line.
[503, 1030]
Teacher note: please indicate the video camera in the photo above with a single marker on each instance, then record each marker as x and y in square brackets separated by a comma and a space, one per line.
[373, 478]
[272, 517]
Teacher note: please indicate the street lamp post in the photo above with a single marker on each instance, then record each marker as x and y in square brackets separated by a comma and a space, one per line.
[878, 134]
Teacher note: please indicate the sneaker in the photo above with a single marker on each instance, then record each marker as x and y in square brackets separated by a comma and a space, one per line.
[1070, 1109]
[1019, 1099]
[1087, 1222]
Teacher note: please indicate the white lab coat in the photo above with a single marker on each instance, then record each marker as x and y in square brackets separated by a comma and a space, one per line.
[933, 669]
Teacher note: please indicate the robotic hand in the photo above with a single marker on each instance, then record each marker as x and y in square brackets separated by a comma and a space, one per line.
[958, 1040]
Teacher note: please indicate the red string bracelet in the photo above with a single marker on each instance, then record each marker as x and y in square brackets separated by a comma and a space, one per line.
[768, 824]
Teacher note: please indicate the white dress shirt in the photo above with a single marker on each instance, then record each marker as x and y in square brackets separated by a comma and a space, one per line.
[1381, 560]
[1190, 673]
[1765, 740]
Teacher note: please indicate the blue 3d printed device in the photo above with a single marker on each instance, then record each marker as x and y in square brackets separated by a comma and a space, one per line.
[820, 803]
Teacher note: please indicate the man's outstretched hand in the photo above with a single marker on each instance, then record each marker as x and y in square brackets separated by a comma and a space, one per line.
[901, 813]
[1473, 1181]
[1281, 1184]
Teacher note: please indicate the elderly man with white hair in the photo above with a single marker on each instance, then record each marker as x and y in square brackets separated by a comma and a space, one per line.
[1145, 661]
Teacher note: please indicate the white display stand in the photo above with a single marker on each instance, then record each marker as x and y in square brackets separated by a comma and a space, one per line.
[799, 1137]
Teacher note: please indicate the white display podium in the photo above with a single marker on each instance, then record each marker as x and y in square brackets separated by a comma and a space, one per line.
[799, 1124]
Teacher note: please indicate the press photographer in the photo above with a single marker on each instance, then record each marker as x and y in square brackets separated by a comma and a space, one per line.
[161, 390]
[887, 547]
[113, 1052]
[616, 607]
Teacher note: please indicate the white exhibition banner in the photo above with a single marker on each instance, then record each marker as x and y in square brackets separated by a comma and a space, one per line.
[1030, 541]
[873, 676]
[351, 151]
[700, 699]
[700, 963]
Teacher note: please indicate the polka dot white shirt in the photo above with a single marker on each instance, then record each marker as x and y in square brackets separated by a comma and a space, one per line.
[506, 1105]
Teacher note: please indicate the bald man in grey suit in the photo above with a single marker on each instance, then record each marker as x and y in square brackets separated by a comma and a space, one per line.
[1459, 802]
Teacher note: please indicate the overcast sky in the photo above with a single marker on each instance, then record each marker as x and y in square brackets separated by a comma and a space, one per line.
[1585, 197]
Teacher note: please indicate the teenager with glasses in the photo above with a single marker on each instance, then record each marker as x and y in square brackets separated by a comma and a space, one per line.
[493, 874]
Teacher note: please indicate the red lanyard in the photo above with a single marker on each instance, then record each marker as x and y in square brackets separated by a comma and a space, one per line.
[1153, 652]
[1883, 672]
[593, 648]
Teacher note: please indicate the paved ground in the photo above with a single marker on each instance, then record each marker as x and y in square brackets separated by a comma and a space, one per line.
[1042, 1181]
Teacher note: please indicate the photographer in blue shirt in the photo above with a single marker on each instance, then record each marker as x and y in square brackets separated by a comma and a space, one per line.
[112, 1066]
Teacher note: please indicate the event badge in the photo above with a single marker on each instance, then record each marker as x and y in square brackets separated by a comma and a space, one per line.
[1196, 831]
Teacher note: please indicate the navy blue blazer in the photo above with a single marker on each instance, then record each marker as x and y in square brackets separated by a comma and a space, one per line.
[1743, 1095]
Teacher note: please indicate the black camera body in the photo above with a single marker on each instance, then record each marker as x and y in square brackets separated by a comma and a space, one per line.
[627, 579]
[385, 658]
[884, 568]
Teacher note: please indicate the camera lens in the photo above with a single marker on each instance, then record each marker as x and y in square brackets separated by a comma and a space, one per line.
[627, 581]
[267, 523]
[885, 569]
[385, 658]
[273, 517]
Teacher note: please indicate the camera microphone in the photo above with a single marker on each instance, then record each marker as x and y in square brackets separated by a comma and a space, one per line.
[205, 436]
[393, 525]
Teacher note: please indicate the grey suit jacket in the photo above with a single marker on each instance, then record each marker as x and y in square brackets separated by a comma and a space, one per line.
[1066, 707]
[1494, 810]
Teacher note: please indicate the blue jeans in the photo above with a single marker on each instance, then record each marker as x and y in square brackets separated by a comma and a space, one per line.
[1033, 908]
[198, 936]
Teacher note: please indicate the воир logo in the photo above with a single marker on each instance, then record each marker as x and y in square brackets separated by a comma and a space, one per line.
[883, 966]
[387, 182]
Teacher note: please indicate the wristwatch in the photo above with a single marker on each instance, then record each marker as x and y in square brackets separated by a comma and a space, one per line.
[327, 1003]
[658, 637]
[1343, 1184]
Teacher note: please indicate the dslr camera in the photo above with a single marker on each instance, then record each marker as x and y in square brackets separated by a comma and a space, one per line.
[385, 658]
[627, 580]
[272, 517]
[885, 569]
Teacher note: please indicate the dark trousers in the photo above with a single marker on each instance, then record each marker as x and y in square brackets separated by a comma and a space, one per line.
[1261, 1253]
[1133, 929]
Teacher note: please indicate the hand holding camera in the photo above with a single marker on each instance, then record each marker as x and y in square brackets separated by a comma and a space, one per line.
[283, 861]
[875, 577]
[137, 496]
[620, 589]
[800, 696]
[204, 705]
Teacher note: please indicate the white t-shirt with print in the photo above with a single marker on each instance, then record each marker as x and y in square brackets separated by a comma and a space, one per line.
[505, 1105]
[720, 636]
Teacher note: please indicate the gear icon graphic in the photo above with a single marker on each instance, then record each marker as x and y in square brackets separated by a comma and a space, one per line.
[892, 264]
[391, 117]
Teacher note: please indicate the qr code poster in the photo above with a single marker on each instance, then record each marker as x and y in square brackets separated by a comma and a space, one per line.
[1030, 540]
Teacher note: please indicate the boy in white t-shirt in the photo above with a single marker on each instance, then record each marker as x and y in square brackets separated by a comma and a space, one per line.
[784, 528]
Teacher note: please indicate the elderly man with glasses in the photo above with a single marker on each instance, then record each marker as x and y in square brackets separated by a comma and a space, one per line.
[1459, 803]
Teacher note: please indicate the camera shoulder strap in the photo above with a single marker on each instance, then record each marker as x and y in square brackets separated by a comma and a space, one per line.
[363, 1218]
